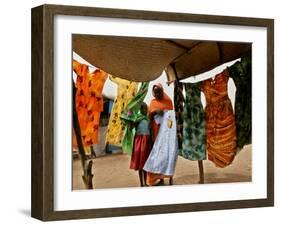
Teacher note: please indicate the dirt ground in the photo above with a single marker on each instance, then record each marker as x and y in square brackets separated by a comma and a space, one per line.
[112, 171]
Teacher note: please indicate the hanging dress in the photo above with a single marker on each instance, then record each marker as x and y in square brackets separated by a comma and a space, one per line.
[125, 92]
[241, 73]
[194, 128]
[220, 121]
[89, 101]
[163, 156]
[179, 102]
[130, 116]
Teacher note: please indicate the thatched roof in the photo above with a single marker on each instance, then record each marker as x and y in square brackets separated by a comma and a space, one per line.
[144, 59]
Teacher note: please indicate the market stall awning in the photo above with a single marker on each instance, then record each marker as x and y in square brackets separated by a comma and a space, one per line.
[144, 59]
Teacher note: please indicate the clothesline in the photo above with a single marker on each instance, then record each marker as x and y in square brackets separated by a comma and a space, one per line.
[214, 134]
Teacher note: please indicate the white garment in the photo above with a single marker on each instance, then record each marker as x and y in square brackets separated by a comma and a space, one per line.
[99, 148]
[163, 156]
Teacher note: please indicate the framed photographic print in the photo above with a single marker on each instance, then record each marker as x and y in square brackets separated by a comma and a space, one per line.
[141, 112]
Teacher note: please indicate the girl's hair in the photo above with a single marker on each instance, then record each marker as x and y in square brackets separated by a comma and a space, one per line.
[143, 105]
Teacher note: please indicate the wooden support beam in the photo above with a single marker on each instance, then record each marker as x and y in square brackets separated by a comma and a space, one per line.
[86, 165]
[201, 172]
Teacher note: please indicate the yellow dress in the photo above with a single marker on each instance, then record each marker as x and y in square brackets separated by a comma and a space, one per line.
[125, 92]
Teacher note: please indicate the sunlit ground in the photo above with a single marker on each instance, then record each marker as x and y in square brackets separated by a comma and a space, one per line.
[112, 171]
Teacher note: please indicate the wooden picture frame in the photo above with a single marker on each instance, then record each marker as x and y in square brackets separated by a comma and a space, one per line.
[42, 203]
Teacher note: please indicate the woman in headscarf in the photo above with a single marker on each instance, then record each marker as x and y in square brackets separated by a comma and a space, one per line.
[160, 103]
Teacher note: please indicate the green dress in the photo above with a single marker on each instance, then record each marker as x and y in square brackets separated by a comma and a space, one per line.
[131, 116]
[194, 131]
[241, 73]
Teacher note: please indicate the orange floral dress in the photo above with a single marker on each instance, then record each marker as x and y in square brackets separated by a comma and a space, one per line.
[89, 102]
[220, 121]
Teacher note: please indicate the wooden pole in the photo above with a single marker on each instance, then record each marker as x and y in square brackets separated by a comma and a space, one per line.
[93, 153]
[87, 176]
[201, 171]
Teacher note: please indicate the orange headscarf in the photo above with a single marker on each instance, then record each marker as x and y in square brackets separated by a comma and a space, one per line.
[164, 104]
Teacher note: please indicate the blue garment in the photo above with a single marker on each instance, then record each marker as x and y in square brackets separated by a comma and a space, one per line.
[143, 128]
[163, 156]
[110, 105]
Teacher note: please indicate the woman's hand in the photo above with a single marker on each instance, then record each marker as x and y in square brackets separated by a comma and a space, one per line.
[159, 112]
[155, 112]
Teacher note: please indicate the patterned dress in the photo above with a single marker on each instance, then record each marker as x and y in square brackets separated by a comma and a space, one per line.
[241, 73]
[178, 103]
[131, 116]
[220, 121]
[126, 91]
[194, 131]
[89, 101]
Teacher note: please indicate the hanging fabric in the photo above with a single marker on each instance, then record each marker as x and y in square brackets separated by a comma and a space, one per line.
[178, 103]
[125, 92]
[89, 101]
[220, 121]
[241, 73]
[131, 116]
[194, 130]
